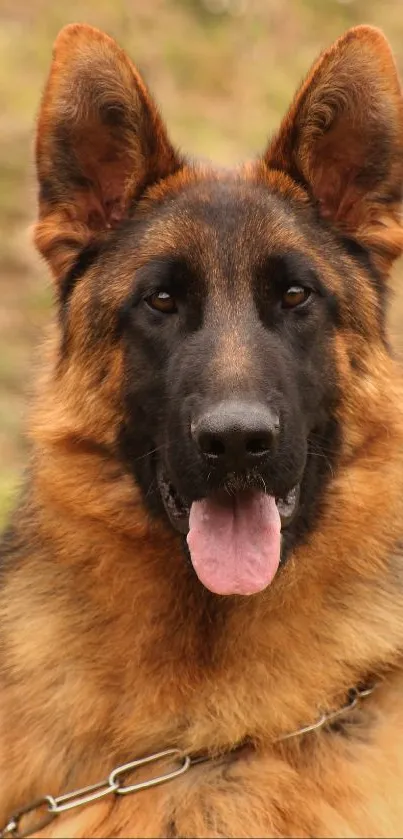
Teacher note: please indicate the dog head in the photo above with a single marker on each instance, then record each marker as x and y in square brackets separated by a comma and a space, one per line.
[222, 333]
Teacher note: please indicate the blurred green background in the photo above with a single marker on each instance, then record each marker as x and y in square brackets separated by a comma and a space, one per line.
[223, 72]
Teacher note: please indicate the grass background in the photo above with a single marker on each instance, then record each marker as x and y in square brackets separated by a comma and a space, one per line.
[223, 72]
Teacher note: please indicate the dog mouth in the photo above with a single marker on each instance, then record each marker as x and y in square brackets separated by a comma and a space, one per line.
[233, 535]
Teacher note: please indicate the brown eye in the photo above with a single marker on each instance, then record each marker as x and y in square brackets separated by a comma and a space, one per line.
[295, 296]
[163, 302]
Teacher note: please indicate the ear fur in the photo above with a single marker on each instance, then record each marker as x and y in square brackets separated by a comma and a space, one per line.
[343, 140]
[100, 142]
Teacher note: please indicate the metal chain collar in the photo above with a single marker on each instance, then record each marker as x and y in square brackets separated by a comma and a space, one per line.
[49, 806]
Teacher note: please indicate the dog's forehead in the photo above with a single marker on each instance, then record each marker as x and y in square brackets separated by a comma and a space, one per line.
[223, 221]
[226, 231]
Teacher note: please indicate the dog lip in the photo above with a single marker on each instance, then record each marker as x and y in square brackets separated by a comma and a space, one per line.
[178, 511]
[288, 506]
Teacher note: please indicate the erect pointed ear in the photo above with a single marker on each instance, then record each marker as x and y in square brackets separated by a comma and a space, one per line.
[343, 140]
[100, 142]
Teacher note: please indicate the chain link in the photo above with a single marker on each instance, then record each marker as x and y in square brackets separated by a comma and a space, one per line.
[11, 830]
[354, 697]
[115, 784]
[51, 806]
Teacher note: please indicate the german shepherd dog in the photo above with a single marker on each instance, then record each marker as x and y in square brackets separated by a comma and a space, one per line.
[207, 561]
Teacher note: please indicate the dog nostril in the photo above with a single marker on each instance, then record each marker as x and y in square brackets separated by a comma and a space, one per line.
[257, 446]
[211, 446]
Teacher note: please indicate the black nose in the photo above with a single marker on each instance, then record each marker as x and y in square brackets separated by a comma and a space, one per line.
[236, 435]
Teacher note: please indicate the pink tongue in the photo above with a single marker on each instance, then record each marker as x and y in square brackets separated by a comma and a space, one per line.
[234, 542]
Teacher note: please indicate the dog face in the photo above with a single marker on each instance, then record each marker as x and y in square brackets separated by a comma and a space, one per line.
[228, 374]
[224, 318]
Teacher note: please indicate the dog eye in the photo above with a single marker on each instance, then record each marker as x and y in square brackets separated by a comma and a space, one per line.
[295, 296]
[163, 302]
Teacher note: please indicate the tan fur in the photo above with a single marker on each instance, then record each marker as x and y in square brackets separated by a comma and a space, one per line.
[153, 661]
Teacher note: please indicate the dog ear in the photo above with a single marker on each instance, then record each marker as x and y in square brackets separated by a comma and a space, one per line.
[343, 140]
[100, 143]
